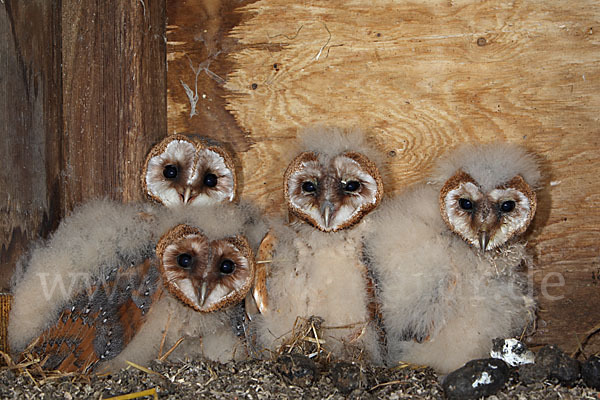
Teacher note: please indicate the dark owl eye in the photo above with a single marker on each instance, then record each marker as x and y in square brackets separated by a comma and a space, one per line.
[465, 204]
[184, 260]
[170, 171]
[227, 267]
[210, 180]
[507, 206]
[309, 187]
[352, 186]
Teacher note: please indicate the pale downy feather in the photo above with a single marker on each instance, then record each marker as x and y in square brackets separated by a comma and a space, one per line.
[207, 335]
[319, 274]
[332, 141]
[99, 237]
[437, 289]
[490, 164]
[95, 236]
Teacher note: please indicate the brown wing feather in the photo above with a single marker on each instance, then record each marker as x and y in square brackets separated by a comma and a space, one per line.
[101, 320]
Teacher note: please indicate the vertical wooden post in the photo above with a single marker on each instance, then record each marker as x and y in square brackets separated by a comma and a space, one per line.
[30, 126]
[114, 92]
[84, 87]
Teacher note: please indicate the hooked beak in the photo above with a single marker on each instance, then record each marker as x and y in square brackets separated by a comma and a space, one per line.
[327, 211]
[186, 195]
[484, 239]
[203, 293]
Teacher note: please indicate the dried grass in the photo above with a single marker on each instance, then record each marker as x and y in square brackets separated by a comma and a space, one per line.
[308, 338]
[32, 367]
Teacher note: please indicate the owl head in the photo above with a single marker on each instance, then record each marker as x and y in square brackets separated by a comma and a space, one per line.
[487, 195]
[205, 274]
[189, 170]
[332, 182]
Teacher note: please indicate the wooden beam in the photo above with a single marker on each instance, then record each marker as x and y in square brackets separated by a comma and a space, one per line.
[84, 87]
[30, 125]
[114, 95]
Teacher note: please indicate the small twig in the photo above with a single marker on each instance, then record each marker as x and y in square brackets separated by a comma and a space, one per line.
[384, 384]
[150, 392]
[31, 377]
[23, 365]
[314, 340]
[404, 365]
[172, 349]
[7, 359]
[213, 376]
[343, 326]
[172, 379]
[143, 369]
[162, 341]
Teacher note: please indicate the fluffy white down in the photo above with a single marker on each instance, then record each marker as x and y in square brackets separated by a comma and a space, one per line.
[332, 141]
[434, 284]
[92, 237]
[317, 273]
[490, 164]
[209, 335]
[96, 237]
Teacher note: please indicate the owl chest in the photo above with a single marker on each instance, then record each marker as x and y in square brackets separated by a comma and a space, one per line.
[332, 280]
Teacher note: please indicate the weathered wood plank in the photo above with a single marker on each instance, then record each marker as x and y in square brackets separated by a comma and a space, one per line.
[114, 85]
[421, 77]
[84, 89]
[30, 125]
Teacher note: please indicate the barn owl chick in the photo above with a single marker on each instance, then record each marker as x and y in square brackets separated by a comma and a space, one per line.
[447, 257]
[189, 170]
[331, 184]
[105, 288]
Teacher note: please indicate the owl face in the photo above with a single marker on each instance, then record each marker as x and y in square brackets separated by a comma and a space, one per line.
[206, 275]
[181, 170]
[489, 219]
[332, 192]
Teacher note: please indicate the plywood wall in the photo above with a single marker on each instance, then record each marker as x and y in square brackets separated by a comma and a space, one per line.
[420, 77]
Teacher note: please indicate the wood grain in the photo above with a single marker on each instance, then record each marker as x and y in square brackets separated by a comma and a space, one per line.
[422, 77]
[114, 96]
[30, 119]
[84, 98]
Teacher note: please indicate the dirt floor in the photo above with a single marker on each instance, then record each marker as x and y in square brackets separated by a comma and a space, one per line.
[287, 378]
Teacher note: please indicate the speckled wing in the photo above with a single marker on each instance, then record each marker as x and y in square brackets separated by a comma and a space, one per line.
[100, 321]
